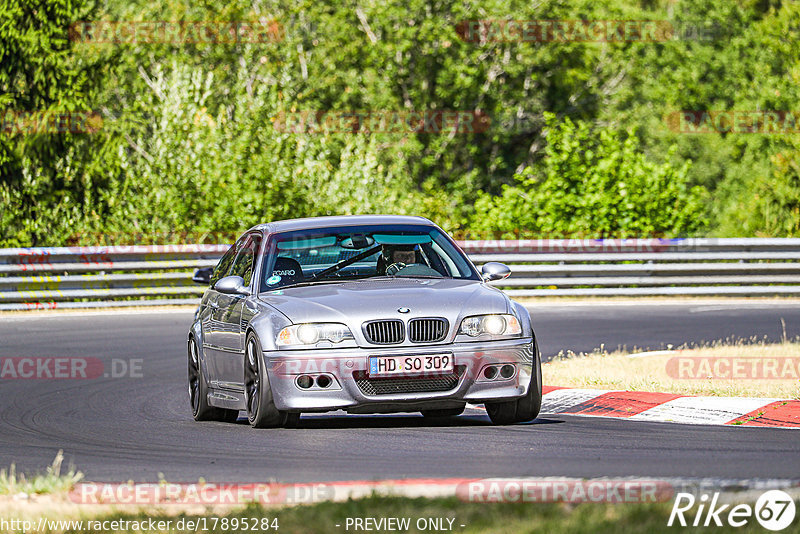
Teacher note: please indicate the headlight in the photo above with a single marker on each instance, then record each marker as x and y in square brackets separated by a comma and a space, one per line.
[496, 325]
[313, 333]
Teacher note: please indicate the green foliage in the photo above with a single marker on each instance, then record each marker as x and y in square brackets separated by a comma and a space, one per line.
[43, 183]
[749, 61]
[188, 144]
[594, 183]
[194, 170]
[770, 205]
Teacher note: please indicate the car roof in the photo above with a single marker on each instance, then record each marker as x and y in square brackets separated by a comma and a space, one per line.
[312, 223]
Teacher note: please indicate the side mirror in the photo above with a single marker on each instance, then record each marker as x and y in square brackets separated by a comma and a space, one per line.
[232, 285]
[202, 275]
[495, 271]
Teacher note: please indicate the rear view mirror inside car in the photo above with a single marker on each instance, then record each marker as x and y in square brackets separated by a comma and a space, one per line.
[356, 241]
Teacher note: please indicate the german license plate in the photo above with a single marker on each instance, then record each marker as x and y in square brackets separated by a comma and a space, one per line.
[411, 365]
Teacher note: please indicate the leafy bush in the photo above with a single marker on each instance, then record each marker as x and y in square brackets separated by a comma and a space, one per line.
[194, 170]
[769, 204]
[43, 184]
[593, 182]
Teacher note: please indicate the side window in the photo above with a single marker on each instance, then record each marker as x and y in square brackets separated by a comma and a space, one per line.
[222, 267]
[244, 263]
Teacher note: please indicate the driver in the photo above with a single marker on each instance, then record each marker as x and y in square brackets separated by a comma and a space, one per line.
[397, 257]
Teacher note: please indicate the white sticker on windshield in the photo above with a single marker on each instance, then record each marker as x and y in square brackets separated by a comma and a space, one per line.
[274, 279]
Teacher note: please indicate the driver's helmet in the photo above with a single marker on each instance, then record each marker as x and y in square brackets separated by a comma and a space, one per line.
[406, 254]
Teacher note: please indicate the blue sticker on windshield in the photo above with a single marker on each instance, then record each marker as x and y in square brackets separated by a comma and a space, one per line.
[274, 279]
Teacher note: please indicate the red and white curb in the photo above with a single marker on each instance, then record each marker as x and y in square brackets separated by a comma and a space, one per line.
[673, 408]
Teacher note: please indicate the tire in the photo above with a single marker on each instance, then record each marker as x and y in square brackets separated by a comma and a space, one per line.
[292, 420]
[442, 413]
[502, 413]
[528, 407]
[261, 410]
[524, 409]
[198, 391]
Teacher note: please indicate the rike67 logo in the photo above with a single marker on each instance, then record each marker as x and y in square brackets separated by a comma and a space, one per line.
[774, 510]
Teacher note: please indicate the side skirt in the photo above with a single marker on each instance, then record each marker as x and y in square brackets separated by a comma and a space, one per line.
[232, 400]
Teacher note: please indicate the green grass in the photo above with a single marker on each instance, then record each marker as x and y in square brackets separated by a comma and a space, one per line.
[617, 371]
[51, 481]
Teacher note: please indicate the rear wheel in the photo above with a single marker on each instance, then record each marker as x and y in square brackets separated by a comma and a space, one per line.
[445, 412]
[261, 410]
[524, 409]
[198, 392]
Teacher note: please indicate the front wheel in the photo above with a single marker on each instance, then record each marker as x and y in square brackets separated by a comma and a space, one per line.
[502, 413]
[524, 409]
[528, 407]
[261, 410]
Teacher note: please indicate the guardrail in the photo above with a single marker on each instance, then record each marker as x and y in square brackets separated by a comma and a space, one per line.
[92, 277]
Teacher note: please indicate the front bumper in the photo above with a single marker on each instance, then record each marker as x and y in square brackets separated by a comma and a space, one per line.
[351, 388]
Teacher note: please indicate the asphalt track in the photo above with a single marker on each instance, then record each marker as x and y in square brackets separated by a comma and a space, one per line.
[135, 428]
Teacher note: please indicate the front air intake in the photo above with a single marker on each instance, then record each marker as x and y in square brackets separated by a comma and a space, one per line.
[405, 385]
[384, 332]
[427, 330]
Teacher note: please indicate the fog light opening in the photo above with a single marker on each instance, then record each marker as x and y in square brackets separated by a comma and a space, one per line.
[507, 371]
[304, 381]
[490, 372]
[323, 381]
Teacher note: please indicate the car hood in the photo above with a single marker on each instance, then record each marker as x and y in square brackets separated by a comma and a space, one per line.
[357, 301]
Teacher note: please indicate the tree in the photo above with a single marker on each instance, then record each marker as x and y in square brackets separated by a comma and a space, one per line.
[40, 78]
[594, 182]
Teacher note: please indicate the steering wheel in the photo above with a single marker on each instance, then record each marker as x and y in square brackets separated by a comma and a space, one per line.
[395, 268]
[411, 270]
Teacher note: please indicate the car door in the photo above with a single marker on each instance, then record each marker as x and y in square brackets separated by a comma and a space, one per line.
[210, 315]
[230, 340]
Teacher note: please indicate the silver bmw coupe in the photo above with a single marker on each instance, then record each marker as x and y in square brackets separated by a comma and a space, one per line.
[366, 314]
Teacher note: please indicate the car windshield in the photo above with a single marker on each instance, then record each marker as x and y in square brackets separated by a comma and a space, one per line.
[356, 252]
